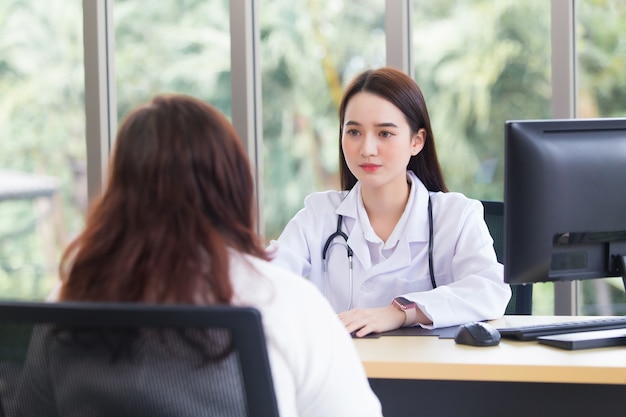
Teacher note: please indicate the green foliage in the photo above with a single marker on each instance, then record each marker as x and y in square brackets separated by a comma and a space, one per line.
[41, 132]
[601, 51]
[309, 50]
[172, 46]
[479, 64]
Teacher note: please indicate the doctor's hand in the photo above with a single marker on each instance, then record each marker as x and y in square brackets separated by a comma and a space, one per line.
[372, 320]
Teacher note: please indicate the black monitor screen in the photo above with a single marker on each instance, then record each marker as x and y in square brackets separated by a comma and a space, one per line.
[565, 199]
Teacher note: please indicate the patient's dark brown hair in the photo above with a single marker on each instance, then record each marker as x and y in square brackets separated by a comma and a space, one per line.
[179, 194]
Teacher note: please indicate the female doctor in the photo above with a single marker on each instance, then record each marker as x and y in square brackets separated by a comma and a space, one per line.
[394, 248]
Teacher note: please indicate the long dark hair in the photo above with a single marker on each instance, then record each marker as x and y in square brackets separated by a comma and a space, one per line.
[179, 194]
[399, 89]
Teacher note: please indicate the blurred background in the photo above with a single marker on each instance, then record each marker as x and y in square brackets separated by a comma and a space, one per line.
[478, 62]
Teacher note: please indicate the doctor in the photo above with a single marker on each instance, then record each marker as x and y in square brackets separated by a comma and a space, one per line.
[394, 248]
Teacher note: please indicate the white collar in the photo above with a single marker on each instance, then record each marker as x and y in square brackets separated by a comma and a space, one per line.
[413, 224]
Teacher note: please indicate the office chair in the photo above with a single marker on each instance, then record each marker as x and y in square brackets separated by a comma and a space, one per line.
[110, 359]
[521, 294]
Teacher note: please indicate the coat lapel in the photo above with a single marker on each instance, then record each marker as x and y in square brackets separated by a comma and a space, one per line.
[415, 230]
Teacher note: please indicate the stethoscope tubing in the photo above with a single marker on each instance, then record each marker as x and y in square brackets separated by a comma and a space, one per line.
[349, 252]
[339, 233]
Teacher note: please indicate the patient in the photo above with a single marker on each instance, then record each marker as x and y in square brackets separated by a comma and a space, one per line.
[175, 224]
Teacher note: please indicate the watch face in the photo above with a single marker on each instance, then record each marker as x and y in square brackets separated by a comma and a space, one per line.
[402, 303]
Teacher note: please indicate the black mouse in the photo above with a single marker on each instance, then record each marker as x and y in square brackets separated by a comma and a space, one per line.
[477, 334]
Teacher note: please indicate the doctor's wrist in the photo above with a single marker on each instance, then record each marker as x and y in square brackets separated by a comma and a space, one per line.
[409, 308]
[411, 316]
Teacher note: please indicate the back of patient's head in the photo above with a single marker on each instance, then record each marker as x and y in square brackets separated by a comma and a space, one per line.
[179, 194]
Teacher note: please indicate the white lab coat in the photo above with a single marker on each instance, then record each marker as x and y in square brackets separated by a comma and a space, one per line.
[470, 284]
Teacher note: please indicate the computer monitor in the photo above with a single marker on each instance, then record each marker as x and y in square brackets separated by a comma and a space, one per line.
[564, 200]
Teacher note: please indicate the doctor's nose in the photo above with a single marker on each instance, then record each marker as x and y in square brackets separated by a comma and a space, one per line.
[369, 146]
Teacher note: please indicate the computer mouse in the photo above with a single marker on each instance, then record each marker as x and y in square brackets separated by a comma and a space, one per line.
[477, 334]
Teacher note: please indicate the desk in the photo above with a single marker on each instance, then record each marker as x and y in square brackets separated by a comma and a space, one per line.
[428, 376]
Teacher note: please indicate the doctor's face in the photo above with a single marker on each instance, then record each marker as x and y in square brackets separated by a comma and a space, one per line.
[377, 141]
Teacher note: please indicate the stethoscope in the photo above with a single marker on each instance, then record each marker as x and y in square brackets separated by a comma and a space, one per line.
[339, 233]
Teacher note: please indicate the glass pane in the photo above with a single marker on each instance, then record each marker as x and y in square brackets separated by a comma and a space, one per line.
[172, 46]
[309, 51]
[42, 141]
[480, 63]
[601, 71]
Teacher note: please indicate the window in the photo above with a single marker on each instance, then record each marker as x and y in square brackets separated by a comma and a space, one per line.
[42, 147]
[172, 46]
[309, 51]
[480, 63]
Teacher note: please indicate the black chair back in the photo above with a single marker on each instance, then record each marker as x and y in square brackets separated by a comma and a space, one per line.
[521, 294]
[126, 359]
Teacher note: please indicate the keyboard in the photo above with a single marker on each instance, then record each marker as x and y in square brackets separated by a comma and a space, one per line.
[533, 331]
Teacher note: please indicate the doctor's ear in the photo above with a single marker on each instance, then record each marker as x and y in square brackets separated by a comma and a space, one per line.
[417, 141]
